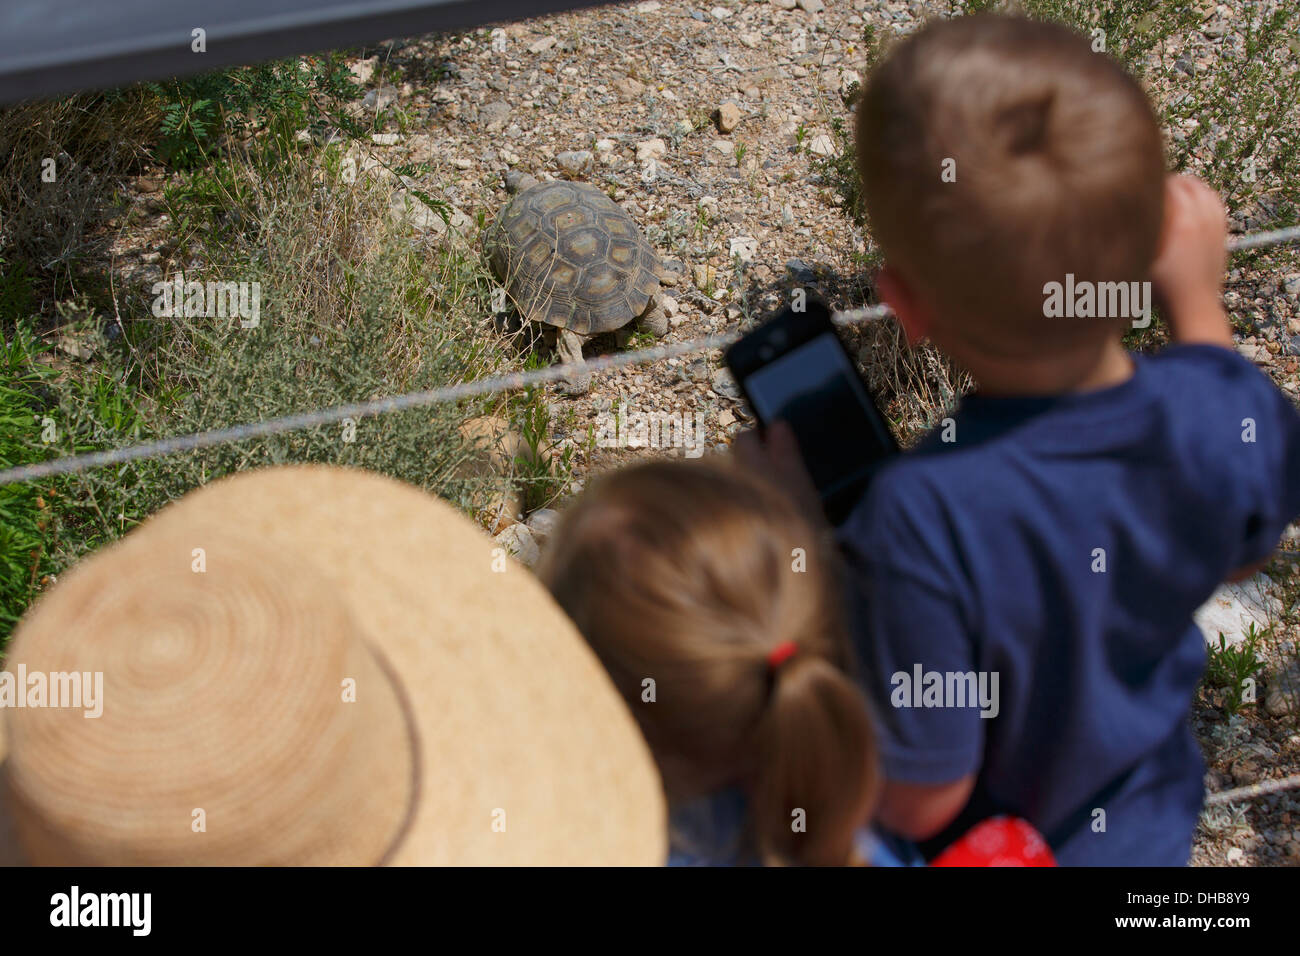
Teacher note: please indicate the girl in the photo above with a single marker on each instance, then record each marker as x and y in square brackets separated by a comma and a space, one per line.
[711, 602]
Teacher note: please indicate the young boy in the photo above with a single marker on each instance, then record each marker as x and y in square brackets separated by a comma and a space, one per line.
[1025, 578]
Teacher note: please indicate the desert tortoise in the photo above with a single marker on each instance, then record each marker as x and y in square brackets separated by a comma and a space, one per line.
[574, 261]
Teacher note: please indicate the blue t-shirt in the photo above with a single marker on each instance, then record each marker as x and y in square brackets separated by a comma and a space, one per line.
[1062, 544]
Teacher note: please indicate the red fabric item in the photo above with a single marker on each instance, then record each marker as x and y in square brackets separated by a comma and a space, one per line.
[998, 841]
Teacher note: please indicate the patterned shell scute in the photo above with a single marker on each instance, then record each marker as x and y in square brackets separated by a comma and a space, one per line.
[571, 257]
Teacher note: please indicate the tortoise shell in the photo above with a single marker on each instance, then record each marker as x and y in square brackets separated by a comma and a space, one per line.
[570, 257]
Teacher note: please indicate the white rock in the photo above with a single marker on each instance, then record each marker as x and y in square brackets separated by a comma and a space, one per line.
[1236, 855]
[751, 40]
[649, 6]
[1253, 351]
[385, 139]
[811, 6]
[822, 145]
[785, 4]
[720, 13]
[380, 99]
[745, 247]
[1234, 607]
[728, 117]
[575, 162]
[542, 523]
[542, 45]
[363, 70]
[669, 304]
[519, 543]
[651, 149]
[406, 207]
[606, 145]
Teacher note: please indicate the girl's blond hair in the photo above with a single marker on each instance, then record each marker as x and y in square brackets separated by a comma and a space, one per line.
[690, 575]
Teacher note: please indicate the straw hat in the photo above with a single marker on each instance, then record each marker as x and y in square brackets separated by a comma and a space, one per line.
[339, 676]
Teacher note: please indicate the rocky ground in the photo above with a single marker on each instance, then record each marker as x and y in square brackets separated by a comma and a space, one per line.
[709, 124]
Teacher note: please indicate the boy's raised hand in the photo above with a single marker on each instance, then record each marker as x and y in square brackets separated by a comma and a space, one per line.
[1188, 272]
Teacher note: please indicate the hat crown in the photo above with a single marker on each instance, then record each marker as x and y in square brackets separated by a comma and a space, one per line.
[243, 717]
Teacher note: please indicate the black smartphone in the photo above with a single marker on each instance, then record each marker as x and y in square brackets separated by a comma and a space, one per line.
[794, 367]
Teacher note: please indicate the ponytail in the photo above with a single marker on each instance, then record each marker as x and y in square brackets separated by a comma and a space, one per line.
[682, 573]
[815, 776]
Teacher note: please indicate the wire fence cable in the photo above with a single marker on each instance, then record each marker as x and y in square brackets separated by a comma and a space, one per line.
[70, 464]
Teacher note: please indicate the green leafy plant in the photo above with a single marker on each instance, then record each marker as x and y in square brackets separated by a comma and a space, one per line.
[1230, 666]
[541, 471]
[281, 97]
[25, 514]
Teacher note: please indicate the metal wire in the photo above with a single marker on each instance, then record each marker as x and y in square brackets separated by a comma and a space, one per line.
[70, 464]
[1238, 794]
[379, 406]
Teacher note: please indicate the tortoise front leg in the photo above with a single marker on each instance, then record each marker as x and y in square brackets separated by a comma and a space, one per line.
[569, 349]
[654, 319]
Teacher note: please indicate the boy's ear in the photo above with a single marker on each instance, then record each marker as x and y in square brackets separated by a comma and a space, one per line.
[912, 313]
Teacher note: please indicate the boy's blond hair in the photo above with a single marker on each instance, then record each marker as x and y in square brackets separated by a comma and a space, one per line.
[1058, 164]
[690, 574]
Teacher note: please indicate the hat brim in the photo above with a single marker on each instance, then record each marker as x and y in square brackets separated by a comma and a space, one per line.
[529, 755]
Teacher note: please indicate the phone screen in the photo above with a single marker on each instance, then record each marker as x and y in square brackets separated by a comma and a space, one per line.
[816, 389]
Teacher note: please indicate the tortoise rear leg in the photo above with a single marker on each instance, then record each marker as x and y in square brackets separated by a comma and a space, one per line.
[568, 347]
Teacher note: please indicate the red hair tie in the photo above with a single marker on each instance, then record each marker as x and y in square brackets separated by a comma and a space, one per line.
[780, 654]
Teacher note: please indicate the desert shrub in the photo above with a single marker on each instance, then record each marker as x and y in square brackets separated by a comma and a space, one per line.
[279, 98]
[60, 162]
[353, 306]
